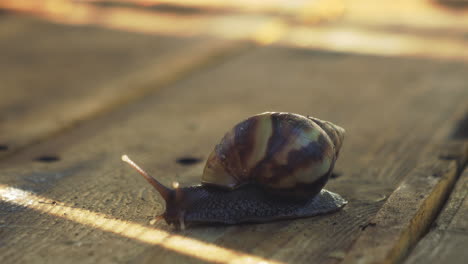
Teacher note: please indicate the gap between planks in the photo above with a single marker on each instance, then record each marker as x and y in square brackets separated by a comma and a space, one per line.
[411, 209]
[446, 241]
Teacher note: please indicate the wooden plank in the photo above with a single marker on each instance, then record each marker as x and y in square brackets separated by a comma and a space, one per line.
[409, 211]
[71, 74]
[386, 105]
[446, 242]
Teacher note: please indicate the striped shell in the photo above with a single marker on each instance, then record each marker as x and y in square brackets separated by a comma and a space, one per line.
[292, 155]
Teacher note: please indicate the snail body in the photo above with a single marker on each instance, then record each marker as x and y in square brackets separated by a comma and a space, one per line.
[268, 167]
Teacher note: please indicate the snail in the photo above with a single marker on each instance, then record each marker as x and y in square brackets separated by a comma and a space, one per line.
[271, 166]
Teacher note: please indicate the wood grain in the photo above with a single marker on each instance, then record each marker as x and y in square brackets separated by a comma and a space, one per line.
[409, 211]
[71, 74]
[446, 242]
[397, 113]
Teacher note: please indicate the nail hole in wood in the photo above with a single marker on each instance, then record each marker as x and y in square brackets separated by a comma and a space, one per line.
[460, 130]
[186, 161]
[335, 175]
[3, 147]
[47, 158]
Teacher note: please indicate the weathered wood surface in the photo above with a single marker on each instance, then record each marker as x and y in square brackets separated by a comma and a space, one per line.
[447, 240]
[386, 105]
[405, 117]
[410, 210]
[53, 76]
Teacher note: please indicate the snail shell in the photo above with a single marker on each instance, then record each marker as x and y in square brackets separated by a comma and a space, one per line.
[289, 154]
[271, 166]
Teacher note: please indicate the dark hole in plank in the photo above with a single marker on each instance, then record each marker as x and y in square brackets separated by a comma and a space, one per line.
[47, 158]
[186, 161]
[461, 129]
[335, 175]
[3, 147]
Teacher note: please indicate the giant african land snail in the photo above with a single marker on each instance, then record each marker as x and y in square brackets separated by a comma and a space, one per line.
[270, 166]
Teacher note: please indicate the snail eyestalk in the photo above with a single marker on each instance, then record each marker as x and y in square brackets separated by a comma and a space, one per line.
[163, 190]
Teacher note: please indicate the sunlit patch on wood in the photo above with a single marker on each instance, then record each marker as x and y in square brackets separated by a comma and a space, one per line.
[270, 32]
[356, 40]
[180, 244]
[362, 27]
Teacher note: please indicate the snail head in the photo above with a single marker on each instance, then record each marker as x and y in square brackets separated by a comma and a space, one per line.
[175, 198]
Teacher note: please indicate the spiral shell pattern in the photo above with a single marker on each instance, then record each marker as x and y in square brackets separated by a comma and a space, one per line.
[288, 153]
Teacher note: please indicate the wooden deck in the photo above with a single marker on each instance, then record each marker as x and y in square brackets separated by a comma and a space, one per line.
[84, 82]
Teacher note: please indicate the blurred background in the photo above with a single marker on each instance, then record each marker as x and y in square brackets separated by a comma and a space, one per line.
[63, 61]
[435, 28]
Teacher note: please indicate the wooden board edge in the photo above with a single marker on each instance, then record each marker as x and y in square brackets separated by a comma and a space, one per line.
[409, 211]
[429, 249]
